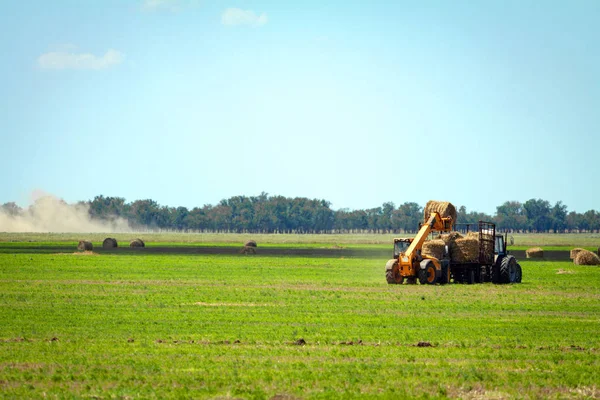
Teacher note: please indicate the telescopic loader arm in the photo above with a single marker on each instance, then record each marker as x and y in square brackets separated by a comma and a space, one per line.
[409, 260]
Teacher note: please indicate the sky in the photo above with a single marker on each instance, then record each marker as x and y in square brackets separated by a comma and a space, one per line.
[355, 102]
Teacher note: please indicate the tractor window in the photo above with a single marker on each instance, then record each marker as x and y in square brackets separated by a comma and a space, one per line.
[499, 245]
[400, 247]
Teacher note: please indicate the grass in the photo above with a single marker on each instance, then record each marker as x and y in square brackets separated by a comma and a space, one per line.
[213, 326]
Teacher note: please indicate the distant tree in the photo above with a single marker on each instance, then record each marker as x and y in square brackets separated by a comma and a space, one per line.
[558, 215]
[11, 209]
[538, 214]
[511, 216]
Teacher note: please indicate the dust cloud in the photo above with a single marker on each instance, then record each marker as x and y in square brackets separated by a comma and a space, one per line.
[48, 213]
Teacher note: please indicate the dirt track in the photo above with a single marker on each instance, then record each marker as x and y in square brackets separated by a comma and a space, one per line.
[304, 252]
[261, 251]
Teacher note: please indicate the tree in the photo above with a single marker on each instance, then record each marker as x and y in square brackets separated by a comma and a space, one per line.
[511, 216]
[538, 214]
[11, 209]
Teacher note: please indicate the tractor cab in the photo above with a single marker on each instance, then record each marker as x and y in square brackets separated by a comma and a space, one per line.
[500, 246]
[401, 245]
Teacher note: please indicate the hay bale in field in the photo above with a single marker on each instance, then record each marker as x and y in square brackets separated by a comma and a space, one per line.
[534, 252]
[137, 243]
[586, 257]
[444, 208]
[84, 245]
[434, 248]
[248, 250]
[574, 252]
[465, 250]
[250, 243]
[109, 243]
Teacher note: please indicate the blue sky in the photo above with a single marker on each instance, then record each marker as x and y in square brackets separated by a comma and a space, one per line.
[359, 103]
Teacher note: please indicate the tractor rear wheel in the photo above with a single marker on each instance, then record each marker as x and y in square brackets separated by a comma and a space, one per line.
[427, 275]
[508, 270]
[519, 274]
[392, 273]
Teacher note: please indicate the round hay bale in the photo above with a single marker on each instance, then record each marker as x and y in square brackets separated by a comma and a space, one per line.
[444, 208]
[534, 252]
[250, 243]
[465, 250]
[137, 243]
[109, 243]
[585, 257]
[434, 248]
[574, 252]
[84, 245]
[248, 250]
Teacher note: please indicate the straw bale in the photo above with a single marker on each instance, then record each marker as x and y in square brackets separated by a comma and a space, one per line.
[85, 245]
[444, 208]
[109, 243]
[574, 252]
[450, 237]
[137, 243]
[585, 257]
[534, 252]
[465, 250]
[434, 248]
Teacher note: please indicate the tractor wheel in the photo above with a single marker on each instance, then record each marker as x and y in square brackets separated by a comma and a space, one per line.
[427, 275]
[392, 273]
[508, 270]
[519, 274]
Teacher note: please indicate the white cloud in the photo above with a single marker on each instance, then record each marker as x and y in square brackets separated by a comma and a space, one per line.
[237, 16]
[68, 60]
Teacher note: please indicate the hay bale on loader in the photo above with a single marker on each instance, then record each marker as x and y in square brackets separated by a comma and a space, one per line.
[84, 245]
[434, 248]
[534, 252]
[586, 257]
[574, 252]
[137, 243]
[110, 243]
[444, 208]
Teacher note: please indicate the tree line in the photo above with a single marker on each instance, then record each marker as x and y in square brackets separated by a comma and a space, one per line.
[278, 214]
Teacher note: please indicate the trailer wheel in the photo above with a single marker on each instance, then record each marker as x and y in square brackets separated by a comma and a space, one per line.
[392, 273]
[508, 270]
[519, 274]
[427, 275]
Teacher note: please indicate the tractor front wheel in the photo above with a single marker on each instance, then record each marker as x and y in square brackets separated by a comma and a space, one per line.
[392, 273]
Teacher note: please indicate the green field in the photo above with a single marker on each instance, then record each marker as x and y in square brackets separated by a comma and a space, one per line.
[141, 325]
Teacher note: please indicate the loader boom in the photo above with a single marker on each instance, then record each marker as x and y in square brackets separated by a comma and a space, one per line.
[409, 261]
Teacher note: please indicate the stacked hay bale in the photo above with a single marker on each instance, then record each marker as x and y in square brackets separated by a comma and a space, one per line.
[585, 257]
[534, 252]
[109, 243]
[84, 245]
[444, 208]
[574, 252]
[434, 248]
[466, 249]
[137, 243]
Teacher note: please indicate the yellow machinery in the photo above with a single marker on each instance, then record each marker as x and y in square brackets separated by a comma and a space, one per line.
[408, 262]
